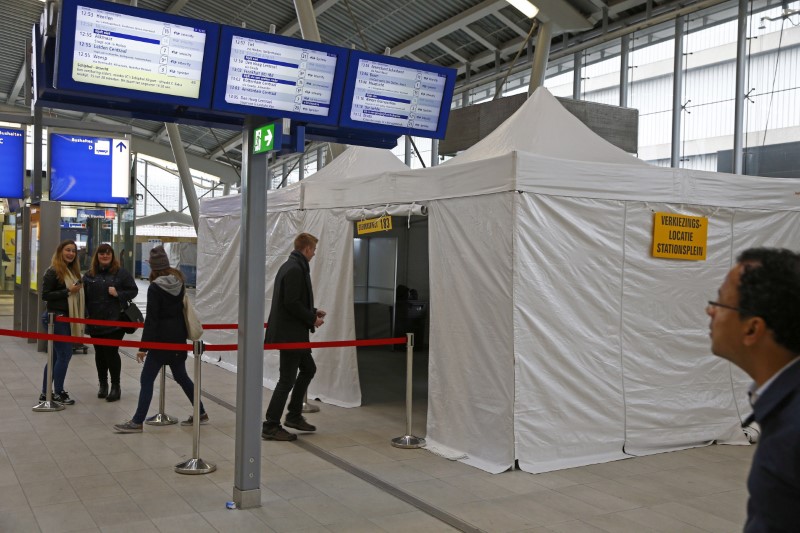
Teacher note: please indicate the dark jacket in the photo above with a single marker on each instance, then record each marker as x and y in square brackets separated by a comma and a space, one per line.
[102, 306]
[292, 314]
[774, 482]
[55, 293]
[164, 320]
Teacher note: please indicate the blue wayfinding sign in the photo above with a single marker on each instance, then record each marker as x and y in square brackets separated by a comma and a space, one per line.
[12, 162]
[89, 169]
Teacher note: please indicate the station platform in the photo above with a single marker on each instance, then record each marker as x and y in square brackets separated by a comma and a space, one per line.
[68, 471]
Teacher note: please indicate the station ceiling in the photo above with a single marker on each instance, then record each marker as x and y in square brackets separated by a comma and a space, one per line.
[477, 37]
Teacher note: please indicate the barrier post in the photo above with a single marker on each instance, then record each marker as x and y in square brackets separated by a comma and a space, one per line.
[48, 405]
[307, 407]
[195, 465]
[162, 418]
[408, 440]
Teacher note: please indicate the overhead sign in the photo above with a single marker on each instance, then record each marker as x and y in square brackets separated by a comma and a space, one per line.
[89, 169]
[12, 163]
[373, 225]
[122, 51]
[680, 237]
[395, 95]
[275, 76]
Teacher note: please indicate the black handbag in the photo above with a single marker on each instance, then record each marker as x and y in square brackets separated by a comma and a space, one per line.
[130, 313]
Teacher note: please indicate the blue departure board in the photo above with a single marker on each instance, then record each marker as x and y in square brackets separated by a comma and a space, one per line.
[89, 169]
[12, 162]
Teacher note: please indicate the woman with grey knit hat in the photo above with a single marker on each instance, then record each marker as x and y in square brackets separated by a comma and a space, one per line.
[163, 322]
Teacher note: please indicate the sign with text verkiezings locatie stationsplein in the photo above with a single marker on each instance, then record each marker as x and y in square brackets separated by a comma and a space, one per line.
[680, 237]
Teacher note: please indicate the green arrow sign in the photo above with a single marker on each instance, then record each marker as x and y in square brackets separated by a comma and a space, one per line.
[263, 139]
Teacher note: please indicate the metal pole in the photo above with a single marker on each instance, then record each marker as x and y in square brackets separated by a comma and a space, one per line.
[407, 159]
[48, 404]
[624, 64]
[162, 418]
[408, 440]
[307, 407]
[184, 171]
[738, 110]
[577, 75]
[677, 94]
[434, 152]
[195, 465]
[540, 55]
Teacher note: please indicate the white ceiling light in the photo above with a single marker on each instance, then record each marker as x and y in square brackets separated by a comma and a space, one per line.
[526, 7]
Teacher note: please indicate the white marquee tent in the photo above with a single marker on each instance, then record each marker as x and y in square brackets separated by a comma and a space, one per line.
[555, 338]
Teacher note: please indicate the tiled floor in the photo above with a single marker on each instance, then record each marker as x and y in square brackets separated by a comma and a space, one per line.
[67, 471]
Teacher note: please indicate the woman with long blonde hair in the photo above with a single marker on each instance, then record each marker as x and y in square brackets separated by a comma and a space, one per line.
[63, 291]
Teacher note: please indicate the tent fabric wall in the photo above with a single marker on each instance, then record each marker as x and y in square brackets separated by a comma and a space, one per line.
[471, 344]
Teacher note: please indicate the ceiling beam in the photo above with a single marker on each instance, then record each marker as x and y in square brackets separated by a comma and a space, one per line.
[320, 7]
[510, 23]
[18, 84]
[176, 6]
[233, 142]
[225, 173]
[450, 51]
[482, 37]
[487, 7]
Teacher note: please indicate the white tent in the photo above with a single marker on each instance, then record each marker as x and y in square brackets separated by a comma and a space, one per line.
[219, 244]
[555, 338]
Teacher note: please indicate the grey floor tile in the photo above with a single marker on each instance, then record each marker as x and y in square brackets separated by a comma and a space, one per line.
[488, 516]
[414, 521]
[51, 492]
[183, 523]
[236, 521]
[19, 520]
[115, 511]
[144, 526]
[161, 503]
[63, 517]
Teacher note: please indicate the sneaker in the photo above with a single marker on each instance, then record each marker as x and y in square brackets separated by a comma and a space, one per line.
[128, 427]
[190, 421]
[299, 423]
[63, 397]
[277, 433]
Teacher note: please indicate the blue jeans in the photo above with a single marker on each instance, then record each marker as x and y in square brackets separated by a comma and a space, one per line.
[62, 353]
[152, 366]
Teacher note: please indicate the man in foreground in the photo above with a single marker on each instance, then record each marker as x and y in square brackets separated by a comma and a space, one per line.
[755, 324]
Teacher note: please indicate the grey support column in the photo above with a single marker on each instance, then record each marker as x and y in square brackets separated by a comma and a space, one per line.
[540, 56]
[250, 358]
[407, 152]
[624, 66]
[577, 78]
[434, 152]
[677, 93]
[184, 171]
[301, 167]
[465, 94]
[738, 112]
[320, 158]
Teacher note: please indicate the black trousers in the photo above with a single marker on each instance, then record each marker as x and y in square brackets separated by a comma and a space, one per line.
[106, 358]
[290, 380]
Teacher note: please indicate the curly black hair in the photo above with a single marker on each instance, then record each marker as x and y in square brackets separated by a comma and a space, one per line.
[769, 287]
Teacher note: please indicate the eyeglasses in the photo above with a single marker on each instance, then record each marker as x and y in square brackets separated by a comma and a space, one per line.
[732, 308]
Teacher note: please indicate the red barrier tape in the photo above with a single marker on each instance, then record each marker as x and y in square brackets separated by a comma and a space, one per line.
[307, 345]
[121, 324]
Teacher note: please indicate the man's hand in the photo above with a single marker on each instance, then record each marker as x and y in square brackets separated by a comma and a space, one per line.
[321, 313]
[318, 322]
[140, 355]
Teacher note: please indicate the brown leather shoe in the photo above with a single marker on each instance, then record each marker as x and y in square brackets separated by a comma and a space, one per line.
[277, 433]
[300, 424]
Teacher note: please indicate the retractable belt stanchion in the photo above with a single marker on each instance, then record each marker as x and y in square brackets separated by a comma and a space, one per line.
[162, 418]
[195, 465]
[408, 440]
[48, 404]
[307, 407]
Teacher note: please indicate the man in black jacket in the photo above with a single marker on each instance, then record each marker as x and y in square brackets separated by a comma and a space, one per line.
[291, 318]
[755, 324]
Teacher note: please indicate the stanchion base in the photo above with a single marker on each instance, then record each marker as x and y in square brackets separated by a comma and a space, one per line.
[46, 407]
[309, 408]
[161, 419]
[408, 441]
[195, 466]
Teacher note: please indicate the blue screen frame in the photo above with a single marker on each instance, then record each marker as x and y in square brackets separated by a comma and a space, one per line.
[226, 42]
[349, 89]
[65, 49]
[12, 162]
[76, 173]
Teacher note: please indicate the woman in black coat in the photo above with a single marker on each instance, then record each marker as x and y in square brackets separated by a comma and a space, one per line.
[107, 287]
[163, 322]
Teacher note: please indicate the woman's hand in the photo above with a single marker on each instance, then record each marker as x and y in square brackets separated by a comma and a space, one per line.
[75, 288]
[140, 355]
[112, 291]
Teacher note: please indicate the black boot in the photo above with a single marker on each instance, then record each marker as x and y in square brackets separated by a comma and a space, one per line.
[113, 393]
[102, 392]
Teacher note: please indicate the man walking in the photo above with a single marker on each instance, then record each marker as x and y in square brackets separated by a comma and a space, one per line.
[291, 318]
[755, 324]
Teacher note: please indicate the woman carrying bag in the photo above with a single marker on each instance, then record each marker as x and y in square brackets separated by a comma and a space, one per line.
[164, 322]
[63, 291]
[107, 287]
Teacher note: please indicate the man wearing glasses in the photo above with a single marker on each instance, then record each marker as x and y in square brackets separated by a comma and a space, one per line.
[755, 324]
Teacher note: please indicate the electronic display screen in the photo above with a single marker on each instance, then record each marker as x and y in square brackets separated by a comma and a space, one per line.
[398, 96]
[276, 76]
[12, 163]
[119, 50]
[89, 169]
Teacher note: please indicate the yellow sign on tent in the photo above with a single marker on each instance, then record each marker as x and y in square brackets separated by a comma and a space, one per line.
[372, 225]
[680, 237]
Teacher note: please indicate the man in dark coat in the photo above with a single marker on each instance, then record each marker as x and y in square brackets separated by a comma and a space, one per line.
[291, 318]
[755, 324]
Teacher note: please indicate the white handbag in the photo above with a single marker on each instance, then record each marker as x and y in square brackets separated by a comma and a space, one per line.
[194, 329]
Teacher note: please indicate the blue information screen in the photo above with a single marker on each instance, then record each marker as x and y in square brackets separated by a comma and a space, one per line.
[89, 169]
[12, 162]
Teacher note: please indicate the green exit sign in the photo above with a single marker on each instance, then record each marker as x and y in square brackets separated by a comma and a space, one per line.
[264, 139]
